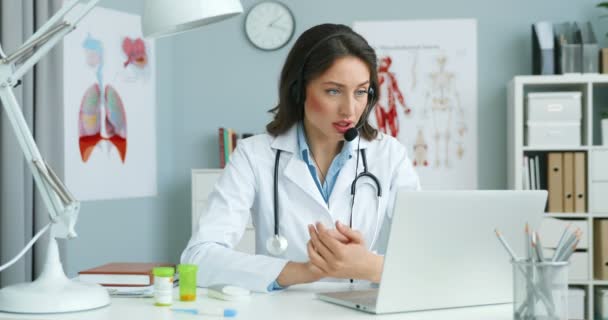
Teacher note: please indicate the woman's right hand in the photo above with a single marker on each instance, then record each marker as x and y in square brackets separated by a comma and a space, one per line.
[306, 272]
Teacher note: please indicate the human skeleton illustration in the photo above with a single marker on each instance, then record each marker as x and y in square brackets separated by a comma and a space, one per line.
[420, 150]
[442, 101]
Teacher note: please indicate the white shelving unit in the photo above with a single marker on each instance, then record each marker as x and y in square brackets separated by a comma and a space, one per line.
[594, 89]
[203, 182]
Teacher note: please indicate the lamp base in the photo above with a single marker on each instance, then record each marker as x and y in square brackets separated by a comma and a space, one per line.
[52, 292]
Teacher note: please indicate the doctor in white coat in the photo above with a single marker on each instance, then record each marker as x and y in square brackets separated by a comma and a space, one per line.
[308, 226]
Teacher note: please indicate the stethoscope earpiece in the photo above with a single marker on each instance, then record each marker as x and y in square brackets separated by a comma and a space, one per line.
[276, 245]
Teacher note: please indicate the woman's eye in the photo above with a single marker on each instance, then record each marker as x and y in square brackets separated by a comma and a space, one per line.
[361, 93]
[332, 92]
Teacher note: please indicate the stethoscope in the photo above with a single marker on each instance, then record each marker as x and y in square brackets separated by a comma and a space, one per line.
[277, 244]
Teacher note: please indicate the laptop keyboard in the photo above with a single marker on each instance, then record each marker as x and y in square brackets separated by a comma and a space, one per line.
[363, 297]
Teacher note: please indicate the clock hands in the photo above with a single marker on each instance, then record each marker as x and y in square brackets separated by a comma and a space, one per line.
[271, 24]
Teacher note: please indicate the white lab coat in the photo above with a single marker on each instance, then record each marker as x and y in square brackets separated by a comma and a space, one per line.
[245, 189]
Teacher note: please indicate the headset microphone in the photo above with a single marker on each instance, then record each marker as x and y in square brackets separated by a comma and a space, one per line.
[351, 134]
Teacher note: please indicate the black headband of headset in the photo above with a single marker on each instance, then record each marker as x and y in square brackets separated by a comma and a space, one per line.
[297, 87]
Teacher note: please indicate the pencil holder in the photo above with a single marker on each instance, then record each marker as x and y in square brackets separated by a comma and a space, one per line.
[540, 290]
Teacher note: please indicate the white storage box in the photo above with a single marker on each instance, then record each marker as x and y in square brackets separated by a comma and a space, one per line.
[554, 107]
[599, 197]
[601, 304]
[551, 230]
[599, 171]
[553, 133]
[576, 303]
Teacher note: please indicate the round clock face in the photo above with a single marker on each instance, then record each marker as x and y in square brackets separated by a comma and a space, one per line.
[269, 25]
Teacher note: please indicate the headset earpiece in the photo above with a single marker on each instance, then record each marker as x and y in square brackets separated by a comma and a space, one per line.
[296, 92]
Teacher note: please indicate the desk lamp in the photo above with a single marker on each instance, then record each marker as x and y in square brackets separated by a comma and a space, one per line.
[52, 291]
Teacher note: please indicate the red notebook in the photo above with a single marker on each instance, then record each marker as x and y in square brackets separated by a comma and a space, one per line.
[116, 274]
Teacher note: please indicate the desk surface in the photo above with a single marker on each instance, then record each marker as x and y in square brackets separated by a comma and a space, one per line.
[297, 302]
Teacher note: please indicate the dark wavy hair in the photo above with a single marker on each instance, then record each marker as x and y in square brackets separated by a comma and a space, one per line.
[312, 54]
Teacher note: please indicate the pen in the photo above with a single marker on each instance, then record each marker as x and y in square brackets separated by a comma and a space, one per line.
[220, 312]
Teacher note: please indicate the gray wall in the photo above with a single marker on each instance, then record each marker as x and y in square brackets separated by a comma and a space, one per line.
[213, 77]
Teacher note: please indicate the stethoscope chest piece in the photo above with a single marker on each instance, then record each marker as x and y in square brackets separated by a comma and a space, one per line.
[276, 245]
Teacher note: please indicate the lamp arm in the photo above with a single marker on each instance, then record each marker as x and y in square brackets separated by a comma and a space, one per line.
[69, 5]
[46, 38]
[62, 207]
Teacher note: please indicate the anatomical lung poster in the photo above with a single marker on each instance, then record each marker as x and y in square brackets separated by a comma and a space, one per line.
[427, 72]
[109, 108]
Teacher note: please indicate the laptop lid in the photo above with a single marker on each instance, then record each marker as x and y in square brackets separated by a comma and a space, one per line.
[442, 250]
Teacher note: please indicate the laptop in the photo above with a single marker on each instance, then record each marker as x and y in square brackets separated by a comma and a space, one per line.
[442, 251]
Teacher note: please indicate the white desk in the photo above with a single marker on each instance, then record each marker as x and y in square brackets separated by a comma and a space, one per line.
[297, 302]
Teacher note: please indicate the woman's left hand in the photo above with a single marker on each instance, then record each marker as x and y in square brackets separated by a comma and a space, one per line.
[350, 260]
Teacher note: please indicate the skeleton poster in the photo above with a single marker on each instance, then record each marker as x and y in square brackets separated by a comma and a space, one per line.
[109, 108]
[427, 74]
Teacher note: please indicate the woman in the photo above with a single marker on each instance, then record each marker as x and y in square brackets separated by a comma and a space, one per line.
[326, 92]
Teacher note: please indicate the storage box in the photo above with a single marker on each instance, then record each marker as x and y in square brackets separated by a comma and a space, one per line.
[553, 134]
[554, 107]
[599, 170]
[551, 230]
[601, 304]
[576, 303]
[599, 198]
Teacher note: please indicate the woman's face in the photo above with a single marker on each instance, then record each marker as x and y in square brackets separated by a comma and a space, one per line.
[336, 99]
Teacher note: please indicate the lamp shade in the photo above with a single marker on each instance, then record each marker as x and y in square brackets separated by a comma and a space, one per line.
[165, 17]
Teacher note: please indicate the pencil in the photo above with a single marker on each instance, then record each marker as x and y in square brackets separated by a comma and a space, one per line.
[505, 244]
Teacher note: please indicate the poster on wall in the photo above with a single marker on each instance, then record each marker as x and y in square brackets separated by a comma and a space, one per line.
[427, 72]
[109, 108]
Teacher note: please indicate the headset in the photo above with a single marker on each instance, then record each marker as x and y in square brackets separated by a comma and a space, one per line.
[277, 244]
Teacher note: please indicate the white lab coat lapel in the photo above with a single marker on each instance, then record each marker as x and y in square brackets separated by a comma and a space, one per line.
[296, 170]
[338, 200]
[365, 213]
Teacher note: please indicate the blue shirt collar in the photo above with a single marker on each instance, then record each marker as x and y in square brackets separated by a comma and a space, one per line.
[345, 153]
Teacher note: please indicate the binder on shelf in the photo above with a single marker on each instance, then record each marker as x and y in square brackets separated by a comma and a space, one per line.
[227, 139]
[226, 145]
[555, 182]
[526, 172]
[532, 174]
[537, 172]
[600, 249]
[568, 178]
[221, 147]
[580, 186]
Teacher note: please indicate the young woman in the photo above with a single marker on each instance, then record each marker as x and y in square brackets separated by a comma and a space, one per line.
[296, 181]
